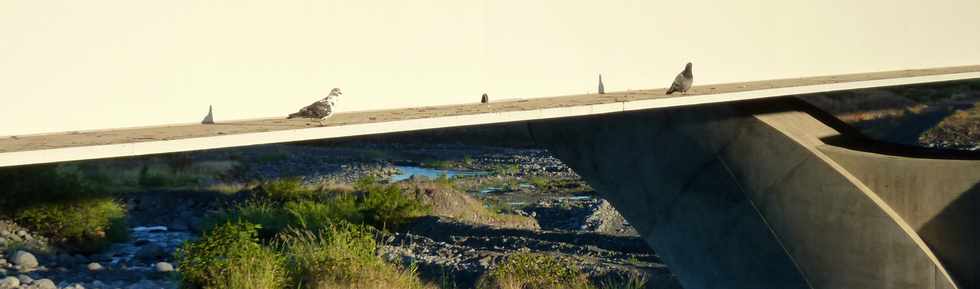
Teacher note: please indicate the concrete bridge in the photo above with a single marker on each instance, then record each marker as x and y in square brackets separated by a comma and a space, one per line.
[734, 185]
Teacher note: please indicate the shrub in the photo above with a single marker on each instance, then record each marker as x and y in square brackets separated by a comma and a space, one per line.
[270, 217]
[149, 178]
[316, 216]
[341, 255]
[230, 256]
[384, 206]
[62, 205]
[287, 203]
[286, 189]
[43, 183]
[86, 226]
[533, 271]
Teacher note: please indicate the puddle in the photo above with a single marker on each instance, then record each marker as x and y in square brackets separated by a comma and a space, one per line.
[406, 172]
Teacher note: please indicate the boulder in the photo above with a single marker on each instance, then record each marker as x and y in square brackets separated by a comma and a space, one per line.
[25, 260]
[9, 283]
[164, 267]
[95, 266]
[44, 284]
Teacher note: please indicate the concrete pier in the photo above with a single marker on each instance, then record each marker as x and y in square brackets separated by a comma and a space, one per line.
[749, 195]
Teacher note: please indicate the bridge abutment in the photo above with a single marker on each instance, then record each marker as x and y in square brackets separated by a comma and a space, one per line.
[732, 196]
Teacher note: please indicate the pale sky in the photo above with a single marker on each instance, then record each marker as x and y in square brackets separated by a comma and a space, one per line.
[76, 65]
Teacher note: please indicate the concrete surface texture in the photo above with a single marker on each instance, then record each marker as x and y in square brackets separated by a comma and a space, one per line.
[747, 195]
[69, 146]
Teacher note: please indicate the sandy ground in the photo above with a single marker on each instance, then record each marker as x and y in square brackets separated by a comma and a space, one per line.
[133, 135]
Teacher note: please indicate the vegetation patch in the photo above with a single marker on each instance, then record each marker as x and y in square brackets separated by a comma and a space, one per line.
[230, 256]
[287, 203]
[341, 255]
[444, 200]
[533, 271]
[71, 210]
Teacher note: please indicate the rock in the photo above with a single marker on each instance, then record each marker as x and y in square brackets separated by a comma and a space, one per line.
[44, 284]
[24, 279]
[150, 252]
[164, 267]
[25, 260]
[9, 283]
[95, 266]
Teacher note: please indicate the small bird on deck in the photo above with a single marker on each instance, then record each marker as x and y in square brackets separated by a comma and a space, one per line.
[321, 109]
[485, 98]
[683, 81]
[602, 89]
[208, 119]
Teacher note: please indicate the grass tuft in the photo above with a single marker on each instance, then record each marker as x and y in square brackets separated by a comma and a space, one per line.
[342, 255]
[533, 271]
[230, 256]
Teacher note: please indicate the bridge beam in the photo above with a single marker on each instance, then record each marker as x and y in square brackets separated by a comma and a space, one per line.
[734, 196]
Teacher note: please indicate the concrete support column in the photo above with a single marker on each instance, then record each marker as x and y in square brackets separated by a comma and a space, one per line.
[731, 196]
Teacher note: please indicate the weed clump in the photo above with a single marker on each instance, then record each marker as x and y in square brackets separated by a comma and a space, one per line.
[287, 203]
[69, 209]
[341, 255]
[230, 256]
[533, 271]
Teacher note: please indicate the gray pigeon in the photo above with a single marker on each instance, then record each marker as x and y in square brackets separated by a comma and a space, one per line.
[484, 98]
[683, 80]
[602, 89]
[208, 119]
[321, 109]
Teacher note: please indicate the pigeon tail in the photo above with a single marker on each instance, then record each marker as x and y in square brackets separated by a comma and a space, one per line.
[602, 88]
[208, 119]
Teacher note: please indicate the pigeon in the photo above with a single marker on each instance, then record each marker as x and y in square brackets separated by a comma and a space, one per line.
[485, 98]
[208, 119]
[683, 80]
[602, 89]
[321, 109]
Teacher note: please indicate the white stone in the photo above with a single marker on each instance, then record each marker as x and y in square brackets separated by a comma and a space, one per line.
[25, 260]
[44, 284]
[9, 283]
[95, 266]
[164, 267]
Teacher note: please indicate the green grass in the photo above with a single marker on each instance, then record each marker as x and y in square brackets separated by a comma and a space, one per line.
[506, 170]
[539, 182]
[533, 271]
[526, 270]
[439, 164]
[337, 255]
[230, 256]
[73, 211]
[287, 189]
[341, 255]
[284, 203]
[87, 226]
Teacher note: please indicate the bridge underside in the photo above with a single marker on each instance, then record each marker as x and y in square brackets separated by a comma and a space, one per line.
[751, 195]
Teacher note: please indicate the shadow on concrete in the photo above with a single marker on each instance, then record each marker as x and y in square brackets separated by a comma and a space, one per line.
[953, 236]
[852, 138]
